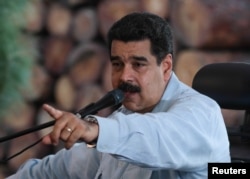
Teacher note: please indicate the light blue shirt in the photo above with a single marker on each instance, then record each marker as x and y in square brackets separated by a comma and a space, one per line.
[178, 139]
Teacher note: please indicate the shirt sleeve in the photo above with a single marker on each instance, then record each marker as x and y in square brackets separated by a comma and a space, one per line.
[185, 137]
[78, 162]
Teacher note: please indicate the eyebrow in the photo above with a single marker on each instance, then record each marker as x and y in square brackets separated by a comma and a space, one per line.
[137, 58]
[140, 58]
[113, 58]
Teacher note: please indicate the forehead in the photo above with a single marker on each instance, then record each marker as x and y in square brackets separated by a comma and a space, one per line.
[120, 48]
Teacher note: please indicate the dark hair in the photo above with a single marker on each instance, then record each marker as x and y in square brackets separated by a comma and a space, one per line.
[140, 26]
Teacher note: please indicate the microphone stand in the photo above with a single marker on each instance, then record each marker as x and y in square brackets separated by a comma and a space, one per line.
[21, 133]
[82, 113]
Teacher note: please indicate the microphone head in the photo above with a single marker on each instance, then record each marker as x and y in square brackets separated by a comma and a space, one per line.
[118, 95]
[112, 98]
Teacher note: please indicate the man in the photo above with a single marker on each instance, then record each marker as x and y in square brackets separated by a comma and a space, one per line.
[164, 129]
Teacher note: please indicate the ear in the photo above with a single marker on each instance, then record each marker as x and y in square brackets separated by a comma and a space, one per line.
[167, 66]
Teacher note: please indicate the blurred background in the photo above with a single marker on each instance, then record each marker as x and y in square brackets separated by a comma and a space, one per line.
[54, 51]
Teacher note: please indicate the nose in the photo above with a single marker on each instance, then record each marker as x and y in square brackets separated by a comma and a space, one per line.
[127, 73]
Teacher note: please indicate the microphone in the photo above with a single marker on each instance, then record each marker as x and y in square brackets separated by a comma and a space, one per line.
[112, 98]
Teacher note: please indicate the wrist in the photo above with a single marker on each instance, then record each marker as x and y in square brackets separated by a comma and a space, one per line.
[90, 119]
[94, 125]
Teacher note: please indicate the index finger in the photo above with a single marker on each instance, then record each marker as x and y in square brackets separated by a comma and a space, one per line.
[53, 112]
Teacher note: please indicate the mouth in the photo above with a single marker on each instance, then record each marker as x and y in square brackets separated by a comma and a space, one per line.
[130, 96]
[129, 93]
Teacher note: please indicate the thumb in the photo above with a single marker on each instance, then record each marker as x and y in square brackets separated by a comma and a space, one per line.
[47, 140]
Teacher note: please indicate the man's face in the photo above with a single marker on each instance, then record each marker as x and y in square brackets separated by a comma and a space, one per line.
[133, 63]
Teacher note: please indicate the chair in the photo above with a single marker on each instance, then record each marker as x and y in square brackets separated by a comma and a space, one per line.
[229, 85]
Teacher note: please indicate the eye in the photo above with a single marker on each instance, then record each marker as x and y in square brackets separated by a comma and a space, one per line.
[117, 65]
[137, 65]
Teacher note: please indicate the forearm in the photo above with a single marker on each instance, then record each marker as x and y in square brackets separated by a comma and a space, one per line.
[78, 162]
[40, 169]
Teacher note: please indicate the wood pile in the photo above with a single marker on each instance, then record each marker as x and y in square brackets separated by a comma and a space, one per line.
[73, 70]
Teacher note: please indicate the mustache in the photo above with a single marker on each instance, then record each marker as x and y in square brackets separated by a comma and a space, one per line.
[127, 87]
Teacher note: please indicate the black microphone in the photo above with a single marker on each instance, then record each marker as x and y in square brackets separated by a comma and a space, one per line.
[112, 98]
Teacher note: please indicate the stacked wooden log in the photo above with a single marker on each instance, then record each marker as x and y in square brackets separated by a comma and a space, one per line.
[73, 70]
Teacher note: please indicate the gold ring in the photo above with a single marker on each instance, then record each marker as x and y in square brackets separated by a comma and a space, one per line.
[68, 129]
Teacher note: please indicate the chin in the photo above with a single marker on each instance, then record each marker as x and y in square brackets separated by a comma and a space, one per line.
[132, 106]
